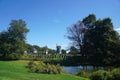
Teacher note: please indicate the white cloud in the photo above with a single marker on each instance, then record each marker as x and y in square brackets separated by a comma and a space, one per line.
[118, 30]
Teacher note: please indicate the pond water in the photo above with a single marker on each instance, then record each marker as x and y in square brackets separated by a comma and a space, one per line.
[76, 69]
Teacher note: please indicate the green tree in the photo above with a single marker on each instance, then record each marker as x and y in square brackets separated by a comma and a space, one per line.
[96, 39]
[63, 51]
[12, 41]
[52, 51]
[88, 47]
[103, 42]
[17, 35]
[73, 50]
[89, 21]
[4, 45]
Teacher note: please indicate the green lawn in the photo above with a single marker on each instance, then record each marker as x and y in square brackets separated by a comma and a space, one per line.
[15, 70]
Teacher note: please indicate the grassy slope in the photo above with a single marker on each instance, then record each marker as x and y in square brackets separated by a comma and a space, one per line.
[15, 70]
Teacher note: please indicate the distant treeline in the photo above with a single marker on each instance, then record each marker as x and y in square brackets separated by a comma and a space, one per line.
[66, 59]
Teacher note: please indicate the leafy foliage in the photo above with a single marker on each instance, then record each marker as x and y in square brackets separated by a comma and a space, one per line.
[12, 41]
[99, 75]
[84, 73]
[115, 74]
[40, 67]
[106, 75]
[73, 50]
[96, 39]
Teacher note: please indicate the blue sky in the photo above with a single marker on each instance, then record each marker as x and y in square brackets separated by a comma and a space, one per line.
[48, 19]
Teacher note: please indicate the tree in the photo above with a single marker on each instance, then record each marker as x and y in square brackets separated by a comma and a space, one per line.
[4, 46]
[76, 34]
[73, 50]
[17, 35]
[52, 51]
[12, 41]
[100, 38]
[63, 51]
[89, 21]
[96, 39]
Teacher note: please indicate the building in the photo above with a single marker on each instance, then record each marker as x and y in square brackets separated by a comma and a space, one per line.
[34, 50]
[58, 49]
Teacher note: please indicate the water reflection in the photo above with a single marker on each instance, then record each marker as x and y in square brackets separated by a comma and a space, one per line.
[76, 69]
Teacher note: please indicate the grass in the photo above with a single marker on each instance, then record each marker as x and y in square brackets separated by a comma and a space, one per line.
[15, 70]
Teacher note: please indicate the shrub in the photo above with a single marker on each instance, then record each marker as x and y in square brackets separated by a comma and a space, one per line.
[32, 66]
[13, 56]
[106, 75]
[41, 67]
[115, 74]
[54, 69]
[59, 68]
[100, 75]
[83, 73]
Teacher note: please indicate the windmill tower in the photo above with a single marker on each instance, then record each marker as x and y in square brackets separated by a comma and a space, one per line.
[58, 49]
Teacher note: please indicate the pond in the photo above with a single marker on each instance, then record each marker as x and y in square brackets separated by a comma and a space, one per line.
[76, 69]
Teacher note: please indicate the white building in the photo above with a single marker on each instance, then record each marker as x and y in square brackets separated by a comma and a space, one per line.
[34, 50]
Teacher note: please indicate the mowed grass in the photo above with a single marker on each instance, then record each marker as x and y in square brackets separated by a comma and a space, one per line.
[15, 70]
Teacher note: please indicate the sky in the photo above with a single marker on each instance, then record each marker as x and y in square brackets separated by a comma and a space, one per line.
[48, 19]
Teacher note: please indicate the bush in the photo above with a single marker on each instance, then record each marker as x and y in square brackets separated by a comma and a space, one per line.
[106, 75]
[100, 75]
[13, 56]
[32, 66]
[59, 68]
[51, 69]
[83, 73]
[115, 74]
[41, 67]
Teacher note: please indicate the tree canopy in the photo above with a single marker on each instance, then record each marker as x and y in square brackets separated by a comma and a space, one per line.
[96, 38]
[12, 41]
